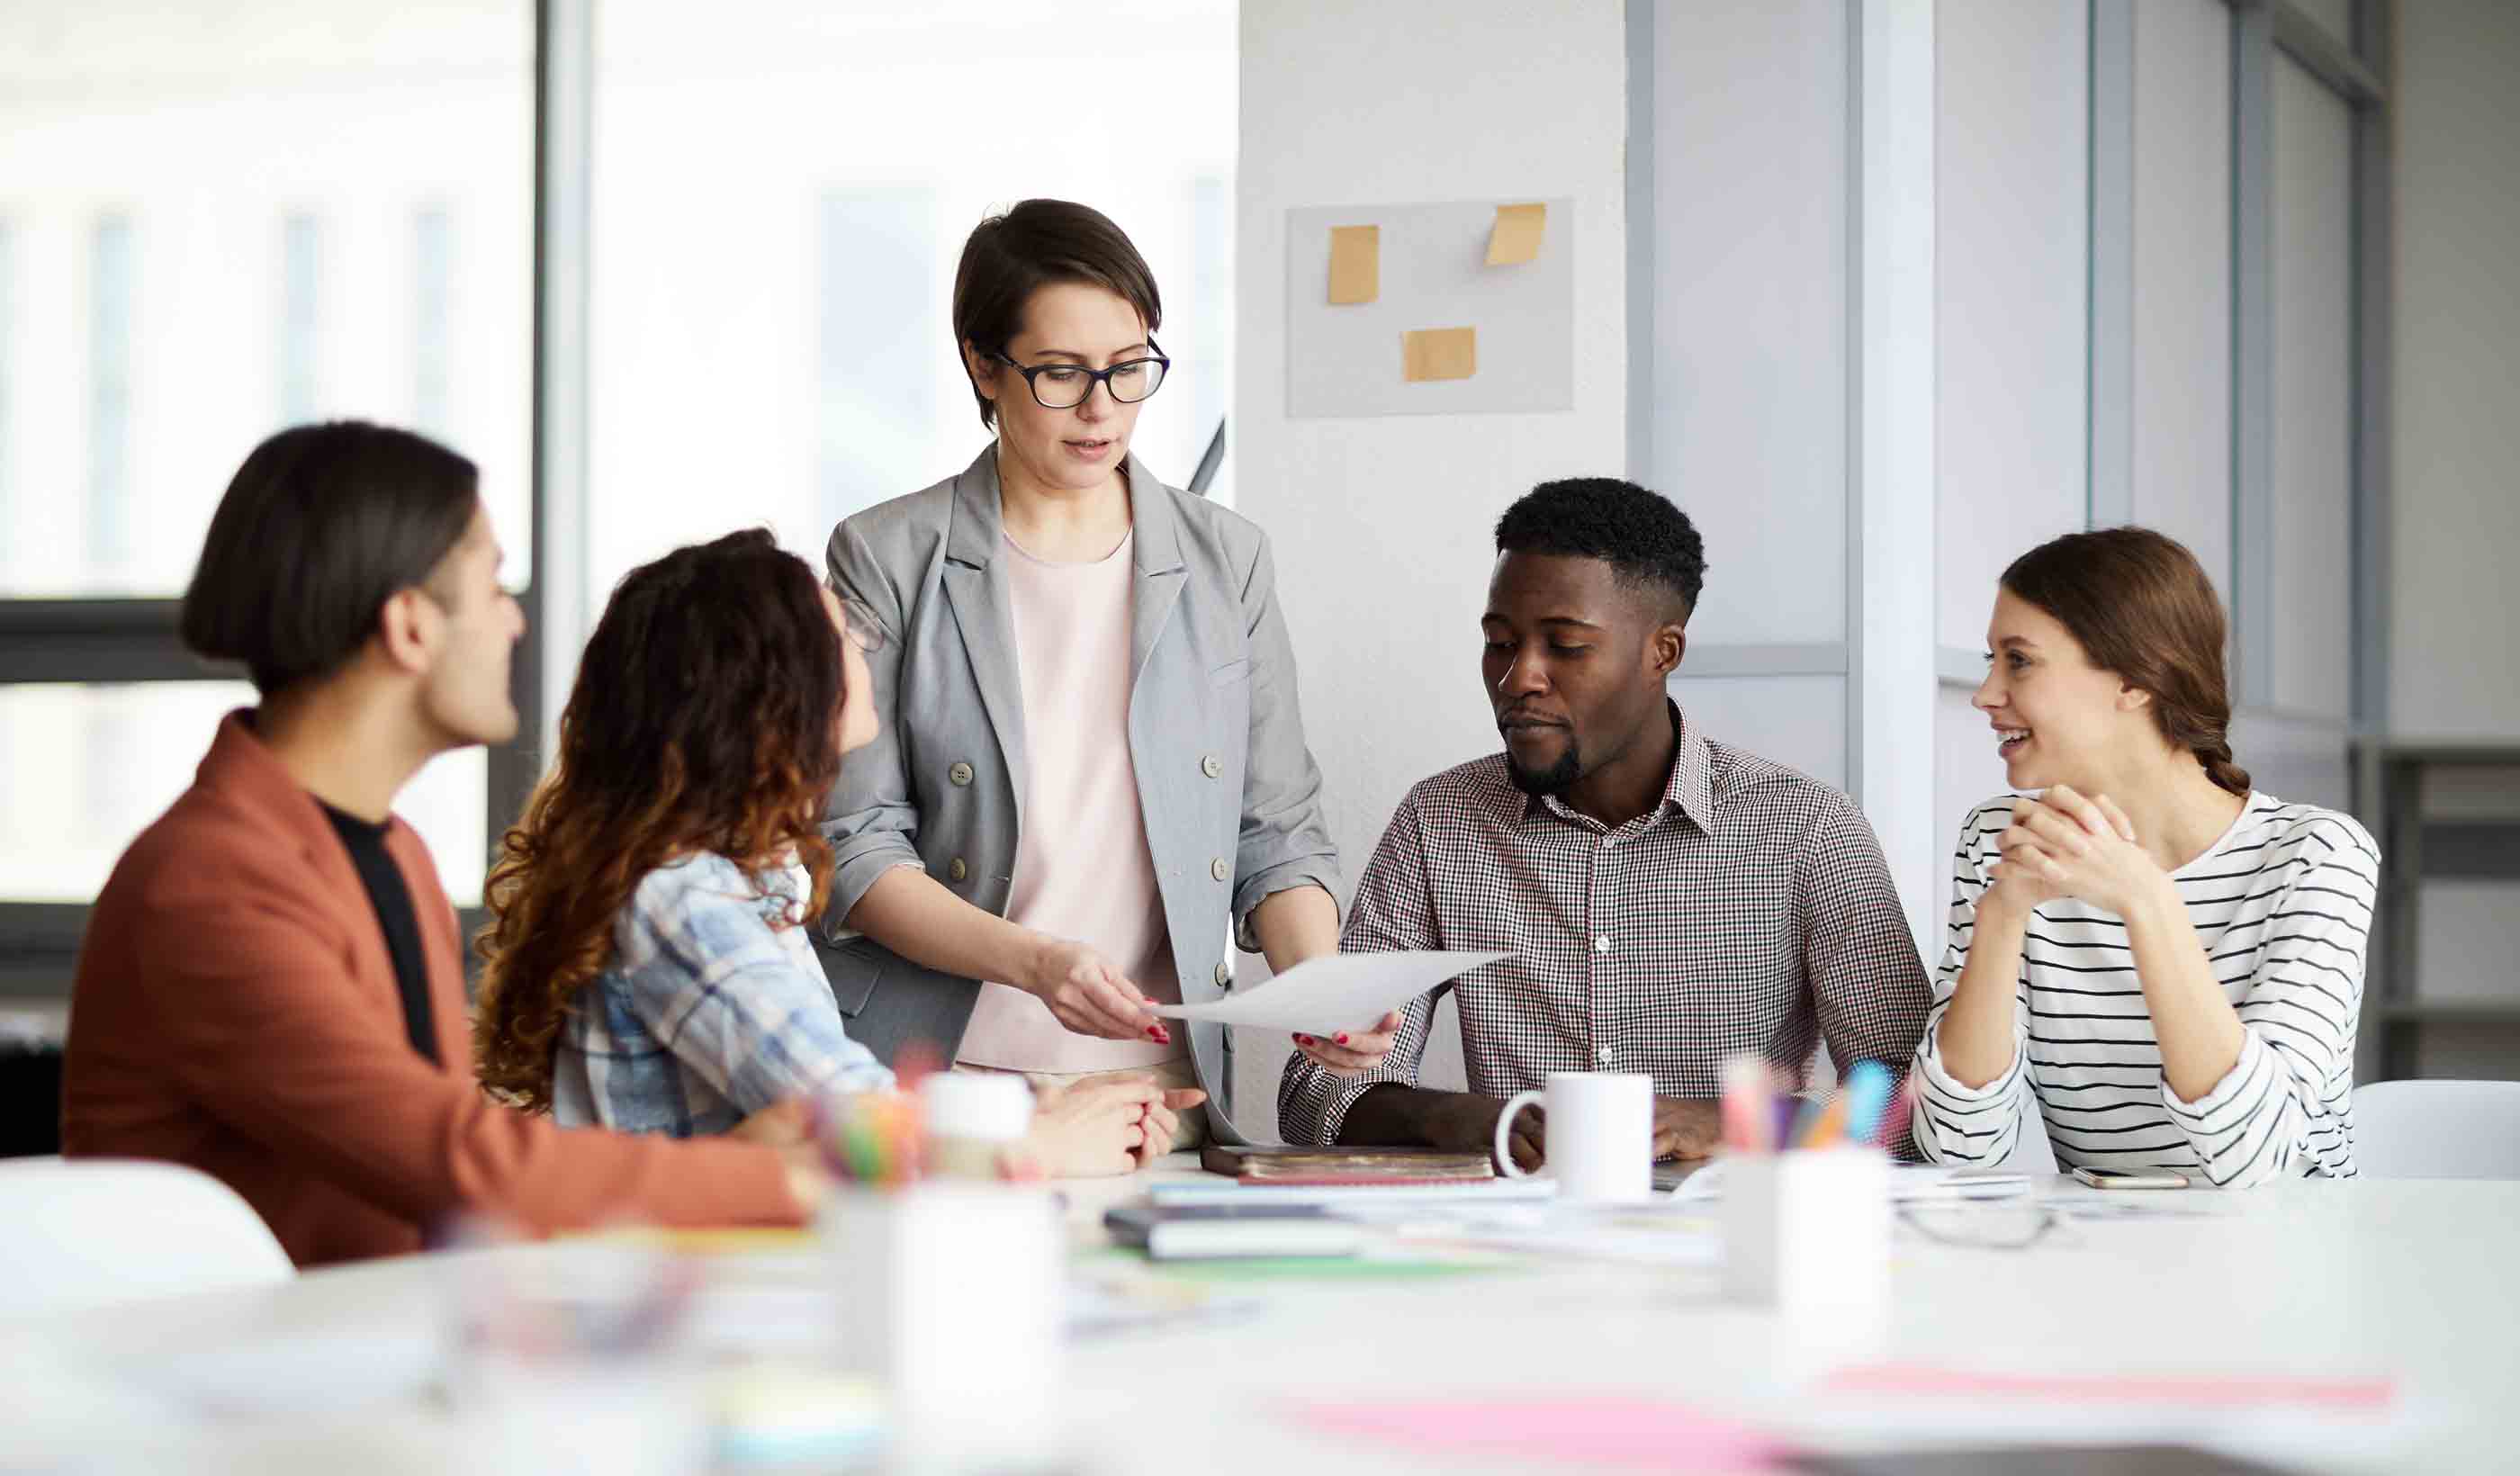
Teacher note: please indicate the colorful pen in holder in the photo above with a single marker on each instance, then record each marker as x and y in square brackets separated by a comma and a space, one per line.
[1805, 1192]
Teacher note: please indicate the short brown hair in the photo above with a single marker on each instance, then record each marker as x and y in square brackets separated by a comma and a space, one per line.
[2141, 608]
[318, 529]
[1039, 241]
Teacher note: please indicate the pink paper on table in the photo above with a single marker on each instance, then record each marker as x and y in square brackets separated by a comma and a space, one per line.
[1604, 1432]
[2206, 1391]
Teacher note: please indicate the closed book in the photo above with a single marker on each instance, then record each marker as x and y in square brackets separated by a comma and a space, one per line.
[1212, 1231]
[1333, 1168]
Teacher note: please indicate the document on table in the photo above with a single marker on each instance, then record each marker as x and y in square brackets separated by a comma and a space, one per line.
[1335, 993]
[1910, 1183]
[1639, 1236]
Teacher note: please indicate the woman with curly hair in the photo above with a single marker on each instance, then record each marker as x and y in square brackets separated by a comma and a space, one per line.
[646, 968]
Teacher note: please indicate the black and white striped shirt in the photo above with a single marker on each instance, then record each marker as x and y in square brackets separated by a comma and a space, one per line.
[2282, 904]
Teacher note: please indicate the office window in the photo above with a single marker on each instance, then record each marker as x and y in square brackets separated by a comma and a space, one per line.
[433, 254]
[1206, 349]
[2312, 453]
[220, 220]
[8, 397]
[780, 201]
[211, 213]
[110, 495]
[2012, 350]
[1748, 322]
[2181, 433]
[884, 315]
[301, 316]
[90, 766]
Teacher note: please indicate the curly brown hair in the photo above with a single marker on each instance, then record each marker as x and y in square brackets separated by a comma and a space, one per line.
[705, 718]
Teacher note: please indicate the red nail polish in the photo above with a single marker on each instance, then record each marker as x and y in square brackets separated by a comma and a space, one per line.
[1342, 1039]
[1303, 1040]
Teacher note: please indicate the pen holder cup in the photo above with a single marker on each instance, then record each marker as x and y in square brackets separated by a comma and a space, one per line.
[950, 1296]
[1807, 1232]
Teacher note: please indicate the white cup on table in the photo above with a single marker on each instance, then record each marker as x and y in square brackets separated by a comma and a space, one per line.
[1598, 1137]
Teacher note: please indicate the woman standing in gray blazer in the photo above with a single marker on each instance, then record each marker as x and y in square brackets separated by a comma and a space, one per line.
[1095, 765]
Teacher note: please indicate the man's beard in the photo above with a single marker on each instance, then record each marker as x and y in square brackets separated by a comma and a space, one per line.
[1557, 779]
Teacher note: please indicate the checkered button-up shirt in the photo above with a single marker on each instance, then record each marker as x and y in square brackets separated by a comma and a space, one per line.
[711, 1008]
[1749, 910]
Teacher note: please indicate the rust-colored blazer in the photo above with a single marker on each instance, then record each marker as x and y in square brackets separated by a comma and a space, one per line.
[236, 1010]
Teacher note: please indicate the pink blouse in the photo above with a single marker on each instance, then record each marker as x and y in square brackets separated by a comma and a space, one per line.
[1082, 868]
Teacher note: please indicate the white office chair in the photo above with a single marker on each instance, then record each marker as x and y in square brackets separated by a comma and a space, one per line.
[2437, 1130]
[90, 1233]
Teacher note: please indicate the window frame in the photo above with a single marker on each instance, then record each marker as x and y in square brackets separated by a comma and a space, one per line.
[114, 640]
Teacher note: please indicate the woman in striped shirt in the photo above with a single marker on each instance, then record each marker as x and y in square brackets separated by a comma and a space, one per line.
[2169, 961]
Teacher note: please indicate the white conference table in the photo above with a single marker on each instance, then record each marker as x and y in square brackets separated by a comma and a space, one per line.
[2416, 1282]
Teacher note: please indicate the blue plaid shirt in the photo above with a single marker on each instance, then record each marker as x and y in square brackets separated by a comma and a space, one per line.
[712, 1008]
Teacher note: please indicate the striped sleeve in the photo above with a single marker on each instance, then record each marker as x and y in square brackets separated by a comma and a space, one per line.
[1954, 1124]
[2282, 1110]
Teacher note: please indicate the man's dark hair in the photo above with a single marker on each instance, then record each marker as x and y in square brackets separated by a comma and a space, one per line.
[1638, 533]
[1039, 241]
[318, 529]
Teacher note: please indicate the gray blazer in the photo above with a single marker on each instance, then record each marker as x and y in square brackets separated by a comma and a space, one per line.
[1229, 792]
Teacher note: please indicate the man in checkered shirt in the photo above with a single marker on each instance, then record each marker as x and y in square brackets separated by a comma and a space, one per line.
[1668, 899]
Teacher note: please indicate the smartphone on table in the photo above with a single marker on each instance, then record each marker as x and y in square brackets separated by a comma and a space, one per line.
[2132, 1178]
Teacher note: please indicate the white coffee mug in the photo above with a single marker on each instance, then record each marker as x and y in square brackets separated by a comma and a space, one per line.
[1598, 1136]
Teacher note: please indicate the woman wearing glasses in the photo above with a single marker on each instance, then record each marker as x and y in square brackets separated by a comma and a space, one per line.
[1094, 768]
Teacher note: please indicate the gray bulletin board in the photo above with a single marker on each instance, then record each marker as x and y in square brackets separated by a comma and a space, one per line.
[1345, 360]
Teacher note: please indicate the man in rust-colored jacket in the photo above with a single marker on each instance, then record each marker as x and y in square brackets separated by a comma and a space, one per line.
[271, 985]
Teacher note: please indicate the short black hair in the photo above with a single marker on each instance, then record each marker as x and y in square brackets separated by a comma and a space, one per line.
[318, 529]
[1638, 533]
[1009, 256]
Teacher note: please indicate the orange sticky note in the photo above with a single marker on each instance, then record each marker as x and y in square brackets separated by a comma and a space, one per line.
[1356, 264]
[1514, 239]
[1439, 353]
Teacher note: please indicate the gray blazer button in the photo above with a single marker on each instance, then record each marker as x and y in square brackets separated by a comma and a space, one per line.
[1219, 870]
[958, 870]
[1225, 976]
[961, 774]
[1211, 766]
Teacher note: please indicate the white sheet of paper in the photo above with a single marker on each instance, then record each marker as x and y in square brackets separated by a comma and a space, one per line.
[1335, 993]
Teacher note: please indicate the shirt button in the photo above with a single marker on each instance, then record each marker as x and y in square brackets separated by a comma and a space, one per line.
[1602, 1055]
[960, 774]
[1211, 766]
[1601, 944]
[958, 870]
[1225, 976]
[1219, 870]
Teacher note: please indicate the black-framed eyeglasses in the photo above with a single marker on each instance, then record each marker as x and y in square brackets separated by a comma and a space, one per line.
[1983, 1224]
[1064, 386]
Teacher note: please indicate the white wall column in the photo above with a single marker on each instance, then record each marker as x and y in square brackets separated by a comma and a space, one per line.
[1892, 480]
